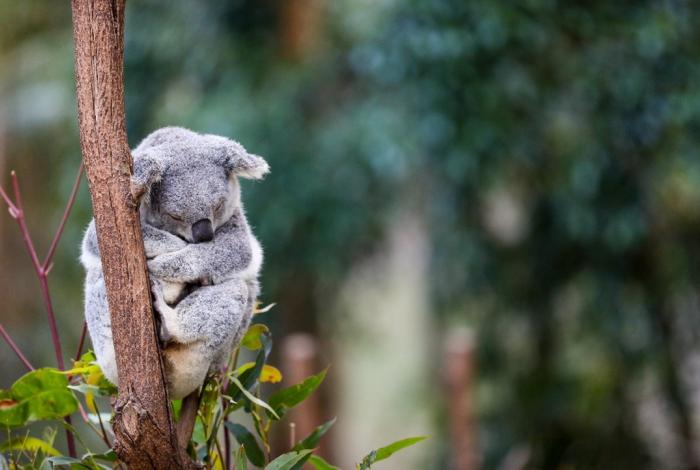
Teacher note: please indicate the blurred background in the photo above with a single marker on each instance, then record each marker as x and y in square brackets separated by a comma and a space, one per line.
[484, 215]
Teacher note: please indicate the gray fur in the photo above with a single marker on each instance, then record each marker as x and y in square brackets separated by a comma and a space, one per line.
[204, 292]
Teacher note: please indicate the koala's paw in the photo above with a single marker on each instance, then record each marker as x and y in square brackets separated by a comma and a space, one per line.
[168, 318]
[180, 266]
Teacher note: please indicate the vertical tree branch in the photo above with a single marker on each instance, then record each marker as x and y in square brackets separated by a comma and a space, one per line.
[143, 426]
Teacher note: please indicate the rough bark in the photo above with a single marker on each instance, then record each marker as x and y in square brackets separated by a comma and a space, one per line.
[143, 425]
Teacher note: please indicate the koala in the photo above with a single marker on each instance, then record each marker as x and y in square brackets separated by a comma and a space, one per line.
[202, 257]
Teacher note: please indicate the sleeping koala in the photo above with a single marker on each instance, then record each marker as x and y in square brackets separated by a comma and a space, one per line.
[203, 259]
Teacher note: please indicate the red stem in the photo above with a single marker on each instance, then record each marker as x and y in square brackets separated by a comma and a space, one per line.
[82, 341]
[15, 348]
[227, 446]
[64, 219]
[19, 216]
[42, 270]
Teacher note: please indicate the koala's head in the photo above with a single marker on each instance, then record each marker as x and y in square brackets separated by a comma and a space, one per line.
[188, 183]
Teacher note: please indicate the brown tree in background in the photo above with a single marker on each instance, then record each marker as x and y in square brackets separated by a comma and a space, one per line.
[143, 425]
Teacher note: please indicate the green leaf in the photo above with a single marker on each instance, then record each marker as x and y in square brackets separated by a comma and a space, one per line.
[250, 376]
[311, 441]
[39, 394]
[320, 464]
[246, 439]
[109, 456]
[12, 412]
[29, 444]
[241, 462]
[289, 460]
[253, 398]
[289, 397]
[387, 451]
[252, 340]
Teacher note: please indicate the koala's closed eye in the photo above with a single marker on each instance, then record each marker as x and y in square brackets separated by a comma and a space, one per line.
[219, 206]
[174, 217]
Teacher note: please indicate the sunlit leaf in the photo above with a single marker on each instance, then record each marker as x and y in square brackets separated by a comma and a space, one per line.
[28, 444]
[320, 464]
[251, 340]
[242, 368]
[270, 374]
[387, 451]
[311, 441]
[289, 397]
[289, 460]
[246, 439]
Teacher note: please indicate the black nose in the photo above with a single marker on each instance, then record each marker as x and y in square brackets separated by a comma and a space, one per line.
[202, 231]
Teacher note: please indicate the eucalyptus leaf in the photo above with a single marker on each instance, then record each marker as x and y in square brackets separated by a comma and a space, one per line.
[311, 441]
[253, 398]
[320, 464]
[387, 451]
[249, 377]
[246, 439]
[252, 340]
[289, 460]
[287, 398]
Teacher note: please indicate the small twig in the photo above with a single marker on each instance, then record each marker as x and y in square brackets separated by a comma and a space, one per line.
[292, 434]
[81, 343]
[102, 427]
[19, 217]
[64, 219]
[15, 348]
[227, 445]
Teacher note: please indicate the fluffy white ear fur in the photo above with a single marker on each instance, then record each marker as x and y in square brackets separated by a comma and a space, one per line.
[255, 168]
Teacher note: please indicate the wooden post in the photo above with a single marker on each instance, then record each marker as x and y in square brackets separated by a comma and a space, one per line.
[459, 382]
[143, 426]
[299, 361]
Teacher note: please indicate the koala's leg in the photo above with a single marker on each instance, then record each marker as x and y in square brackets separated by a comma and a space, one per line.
[99, 323]
[213, 314]
[202, 328]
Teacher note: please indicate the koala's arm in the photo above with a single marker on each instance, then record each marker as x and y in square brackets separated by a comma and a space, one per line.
[156, 242]
[233, 252]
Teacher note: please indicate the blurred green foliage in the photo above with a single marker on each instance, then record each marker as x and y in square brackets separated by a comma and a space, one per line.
[550, 147]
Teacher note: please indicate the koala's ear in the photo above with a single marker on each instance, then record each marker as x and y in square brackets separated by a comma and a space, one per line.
[148, 169]
[238, 162]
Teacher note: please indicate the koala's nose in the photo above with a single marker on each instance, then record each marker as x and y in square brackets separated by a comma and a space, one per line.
[202, 231]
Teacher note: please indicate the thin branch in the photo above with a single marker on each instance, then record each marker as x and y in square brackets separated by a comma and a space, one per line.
[15, 348]
[64, 219]
[227, 445]
[8, 201]
[19, 216]
[81, 343]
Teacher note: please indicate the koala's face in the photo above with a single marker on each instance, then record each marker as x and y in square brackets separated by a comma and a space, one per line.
[193, 202]
[189, 181]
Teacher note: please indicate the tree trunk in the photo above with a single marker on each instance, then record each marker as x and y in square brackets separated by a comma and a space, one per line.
[143, 425]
